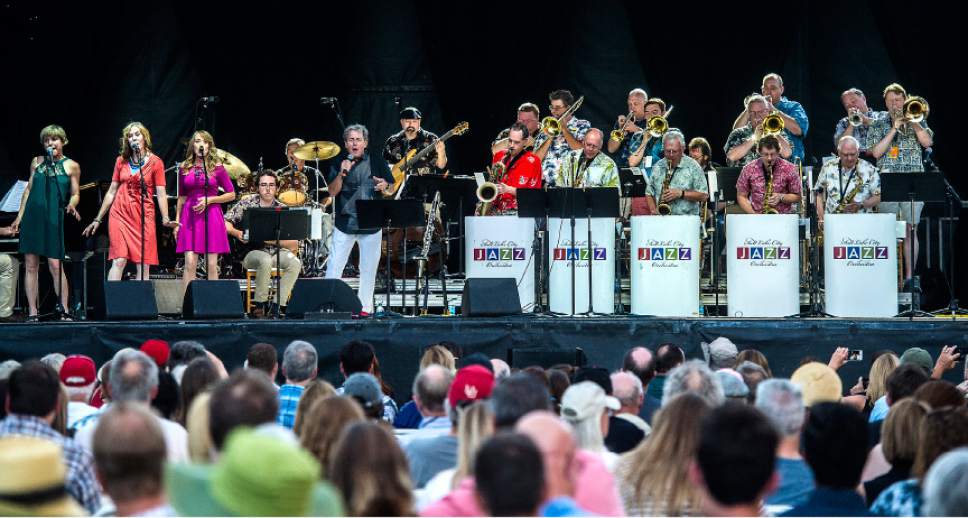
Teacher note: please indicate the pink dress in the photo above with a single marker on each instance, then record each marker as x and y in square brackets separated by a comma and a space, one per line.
[193, 185]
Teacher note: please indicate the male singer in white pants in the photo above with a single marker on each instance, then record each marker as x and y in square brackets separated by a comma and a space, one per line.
[360, 176]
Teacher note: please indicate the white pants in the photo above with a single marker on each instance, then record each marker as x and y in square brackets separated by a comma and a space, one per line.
[369, 261]
[9, 272]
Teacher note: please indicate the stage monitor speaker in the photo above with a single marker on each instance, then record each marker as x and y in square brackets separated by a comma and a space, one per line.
[130, 300]
[322, 296]
[521, 358]
[490, 298]
[212, 299]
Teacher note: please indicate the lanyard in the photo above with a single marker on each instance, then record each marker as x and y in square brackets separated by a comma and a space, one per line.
[840, 178]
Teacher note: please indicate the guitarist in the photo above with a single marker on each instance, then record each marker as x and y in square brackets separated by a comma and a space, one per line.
[414, 138]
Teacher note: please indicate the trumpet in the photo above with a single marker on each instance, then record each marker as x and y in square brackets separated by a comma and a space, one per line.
[915, 109]
[772, 125]
[855, 118]
[618, 135]
[552, 126]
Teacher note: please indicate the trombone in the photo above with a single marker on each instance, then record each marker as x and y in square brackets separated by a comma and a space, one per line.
[915, 109]
[772, 125]
[618, 135]
[552, 126]
[658, 125]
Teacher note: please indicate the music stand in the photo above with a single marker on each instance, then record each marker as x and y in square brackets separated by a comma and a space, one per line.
[387, 214]
[632, 183]
[726, 178]
[599, 202]
[909, 188]
[276, 224]
[535, 203]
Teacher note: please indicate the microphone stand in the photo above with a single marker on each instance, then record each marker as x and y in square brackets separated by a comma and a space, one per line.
[51, 171]
[205, 216]
[144, 194]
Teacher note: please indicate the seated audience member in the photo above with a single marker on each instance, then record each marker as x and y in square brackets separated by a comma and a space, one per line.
[501, 369]
[693, 376]
[902, 382]
[620, 435]
[876, 387]
[315, 390]
[257, 475]
[653, 478]
[640, 362]
[558, 383]
[409, 416]
[900, 436]
[735, 460]
[510, 475]
[517, 395]
[199, 376]
[370, 471]
[946, 485]
[182, 353]
[721, 353]
[54, 361]
[435, 449]
[201, 448]
[835, 445]
[157, 350]
[753, 356]
[939, 394]
[667, 357]
[734, 387]
[78, 375]
[782, 403]
[31, 403]
[129, 458]
[753, 374]
[359, 356]
[246, 398]
[263, 357]
[941, 431]
[475, 424]
[166, 401]
[818, 382]
[299, 367]
[364, 388]
[324, 424]
[585, 406]
[29, 468]
[627, 388]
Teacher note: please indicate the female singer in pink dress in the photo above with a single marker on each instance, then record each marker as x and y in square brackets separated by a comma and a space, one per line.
[201, 228]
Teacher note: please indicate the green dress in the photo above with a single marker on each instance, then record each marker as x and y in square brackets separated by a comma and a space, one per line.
[42, 226]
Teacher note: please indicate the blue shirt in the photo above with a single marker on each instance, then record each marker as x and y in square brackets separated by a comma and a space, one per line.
[796, 112]
[899, 499]
[879, 411]
[825, 501]
[562, 506]
[408, 416]
[796, 483]
[288, 403]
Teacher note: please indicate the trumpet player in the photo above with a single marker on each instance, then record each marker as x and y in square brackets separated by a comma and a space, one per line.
[858, 120]
[898, 141]
[522, 170]
[677, 181]
[795, 122]
[588, 166]
[651, 151]
[628, 125]
[530, 116]
[848, 184]
[741, 144]
[768, 173]
[552, 149]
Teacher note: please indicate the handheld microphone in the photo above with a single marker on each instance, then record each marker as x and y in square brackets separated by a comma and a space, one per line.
[50, 153]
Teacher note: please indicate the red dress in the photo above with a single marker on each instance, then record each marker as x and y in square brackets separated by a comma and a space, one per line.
[124, 224]
[525, 173]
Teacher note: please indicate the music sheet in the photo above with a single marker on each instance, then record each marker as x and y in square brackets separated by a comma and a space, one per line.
[11, 200]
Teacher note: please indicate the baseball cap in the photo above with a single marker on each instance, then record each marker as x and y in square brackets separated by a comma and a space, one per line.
[471, 383]
[819, 383]
[157, 349]
[78, 371]
[585, 400]
[365, 388]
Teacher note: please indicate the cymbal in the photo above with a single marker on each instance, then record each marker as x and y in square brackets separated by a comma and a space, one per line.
[316, 150]
[235, 167]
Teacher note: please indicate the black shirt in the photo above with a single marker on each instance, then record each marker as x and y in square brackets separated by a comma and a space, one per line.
[357, 185]
[397, 147]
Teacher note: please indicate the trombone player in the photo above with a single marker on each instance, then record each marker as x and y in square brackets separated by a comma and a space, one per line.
[769, 183]
[858, 120]
[530, 116]
[848, 184]
[677, 181]
[560, 134]
[651, 151]
[588, 167]
[898, 142]
[795, 122]
[741, 144]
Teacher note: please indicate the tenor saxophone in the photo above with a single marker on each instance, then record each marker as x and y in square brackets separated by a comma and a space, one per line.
[848, 198]
[767, 208]
[664, 209]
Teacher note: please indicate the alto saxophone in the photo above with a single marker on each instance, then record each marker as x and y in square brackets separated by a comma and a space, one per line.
[664, 209]
[767, 208]
[849, 197]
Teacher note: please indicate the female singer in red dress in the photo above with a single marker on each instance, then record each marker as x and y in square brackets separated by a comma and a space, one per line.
[133, 210]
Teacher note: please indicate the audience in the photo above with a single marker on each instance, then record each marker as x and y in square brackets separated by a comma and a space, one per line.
[667, 357]
[299, 367]
[756, 357]
[900, 436]
[78, 375]
[364, 388]
[181, 354]
[946, 485]
[586, 407]
[358, 356]
[693, 376]
[263, 357]
[558, 383]
[640, 362]
[324, 424]
[29, 468]
[199, 376]
[781, 402]
[734, 386]
[370, 471]
[436, 448]
[409, 416]
[819, 383]
[246, 398]
[753, 374]
[315, 390]
[721, 353]
[510, 475]
[475, 424]
[627, 389]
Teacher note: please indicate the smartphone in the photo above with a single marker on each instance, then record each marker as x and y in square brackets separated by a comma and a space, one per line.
[855, 355]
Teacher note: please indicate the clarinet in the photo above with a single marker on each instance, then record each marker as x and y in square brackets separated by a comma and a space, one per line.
[428, 238]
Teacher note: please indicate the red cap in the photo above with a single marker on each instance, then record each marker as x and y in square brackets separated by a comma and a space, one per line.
[157, 349]
[472, 383]
[78, 371]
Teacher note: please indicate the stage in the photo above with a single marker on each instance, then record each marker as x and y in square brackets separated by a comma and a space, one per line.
[399, 341]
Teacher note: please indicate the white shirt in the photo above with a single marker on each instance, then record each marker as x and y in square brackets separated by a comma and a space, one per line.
[77, 410]
[176, 438]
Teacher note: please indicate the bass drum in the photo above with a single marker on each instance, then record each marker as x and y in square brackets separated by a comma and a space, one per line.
[292, 189]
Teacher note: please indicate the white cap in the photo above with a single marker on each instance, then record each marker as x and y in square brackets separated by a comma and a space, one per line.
[585, 400]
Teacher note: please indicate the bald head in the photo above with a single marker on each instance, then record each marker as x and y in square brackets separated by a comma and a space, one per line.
[640, 362]
[430, 389]
[628, 389]
[555, 440]
[501, 368]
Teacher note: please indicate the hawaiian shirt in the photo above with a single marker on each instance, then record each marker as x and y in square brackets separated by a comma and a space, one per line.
[752, 183]
[600, 172]
[899, 499]
[860, 132]
[397, 147]
[796, 112]
[835, 183]
[687, 175]
[559, 148]
[631, 144]
[737, 137]
[905, 153]
[237, 212]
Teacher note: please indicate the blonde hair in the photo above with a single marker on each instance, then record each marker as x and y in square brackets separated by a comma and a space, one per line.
[125, 150]
[657, 470]
[315, 391]
[324, 422]
[211, 159]
[439, 355]
[902, 430]
[200, 444]
[882, 367]
[53, 131]
[476, 425]
[754, 356]
[896, 88]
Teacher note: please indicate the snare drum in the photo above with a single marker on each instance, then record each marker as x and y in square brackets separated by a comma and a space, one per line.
[292, 189]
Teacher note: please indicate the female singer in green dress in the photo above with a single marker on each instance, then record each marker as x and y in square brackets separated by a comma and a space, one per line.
[53, 189]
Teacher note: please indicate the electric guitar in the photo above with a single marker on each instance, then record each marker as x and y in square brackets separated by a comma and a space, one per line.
[399, 170]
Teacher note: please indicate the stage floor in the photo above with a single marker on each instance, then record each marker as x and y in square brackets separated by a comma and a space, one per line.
[399, 341]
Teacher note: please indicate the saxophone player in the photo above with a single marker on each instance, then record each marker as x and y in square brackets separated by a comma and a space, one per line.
[768, 173]
[522, 170]
[677, 181]
[588, 166]
[847, 184]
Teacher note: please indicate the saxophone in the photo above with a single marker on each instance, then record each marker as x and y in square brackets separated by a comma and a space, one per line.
[848, 198]
[664, 209]
[767, 208]
[487, 191]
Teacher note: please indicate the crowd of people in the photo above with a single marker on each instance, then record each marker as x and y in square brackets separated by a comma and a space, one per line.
[170, 430]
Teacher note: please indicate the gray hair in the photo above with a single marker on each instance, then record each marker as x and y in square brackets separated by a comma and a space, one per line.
[627, 398]
[694, 376]
[773, 75]
[847, 138]
[721, 353]
[299, 361]
[431, 386]
[756, 99]
[674, 135]
[946, 485]
[855, 91]
[638, 92]
[781, 401]
[129, 385]
[358, 128]
[54, 361]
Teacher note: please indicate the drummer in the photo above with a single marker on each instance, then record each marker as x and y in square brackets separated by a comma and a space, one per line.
[296, 176]
[413, 137]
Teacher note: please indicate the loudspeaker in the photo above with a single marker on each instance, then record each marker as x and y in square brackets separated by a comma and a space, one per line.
[129, 300]
[322, 295]
[490, 298]
[213, 299]
[521, 358]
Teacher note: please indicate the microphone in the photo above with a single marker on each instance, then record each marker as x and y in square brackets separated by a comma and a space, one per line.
[210, 100]
[328, 101]
[50, 153]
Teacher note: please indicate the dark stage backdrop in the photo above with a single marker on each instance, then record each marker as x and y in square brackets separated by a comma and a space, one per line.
[93, 66]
